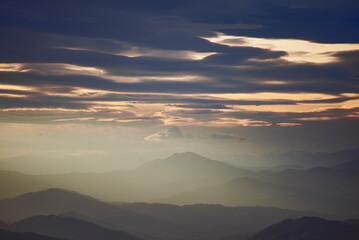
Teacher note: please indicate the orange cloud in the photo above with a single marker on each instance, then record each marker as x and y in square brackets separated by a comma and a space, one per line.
[288, 124]
[269, 96]
[16, 87]
[9, 95]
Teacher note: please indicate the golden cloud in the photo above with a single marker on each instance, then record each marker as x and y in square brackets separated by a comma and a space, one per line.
[298, 51]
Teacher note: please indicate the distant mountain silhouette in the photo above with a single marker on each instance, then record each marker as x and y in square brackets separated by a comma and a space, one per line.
[191, 169]
[68, 228]
[280, 168]
[242, 192]
[155, 179]
[188, 162]
[352, 165]
[308, 228]
[294, 189]
[308, 160]
[8, 235]
[337, 187]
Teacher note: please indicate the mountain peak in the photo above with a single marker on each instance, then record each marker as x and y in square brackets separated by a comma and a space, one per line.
[185, 159]
[53, 193]
[186, 155]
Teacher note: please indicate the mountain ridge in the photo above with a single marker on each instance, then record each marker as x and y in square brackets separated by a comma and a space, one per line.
[8, 235]
[307, 228]
[68, 228]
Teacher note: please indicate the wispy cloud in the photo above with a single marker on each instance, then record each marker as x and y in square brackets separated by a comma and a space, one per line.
[12, 67]
[16, 87]
[133, 51]
[300, 107]
[270, 96]
[64, 69]
[169, 134]
[288, 124]
[297, 50]
[225, 136]
[73, 119]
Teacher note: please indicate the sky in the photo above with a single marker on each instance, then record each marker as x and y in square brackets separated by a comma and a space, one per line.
[139, 80]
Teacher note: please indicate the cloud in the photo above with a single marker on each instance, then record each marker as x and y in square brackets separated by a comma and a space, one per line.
[71, 70]
[133, 52]
[224, 136]
[317, 118]
[300, 107]
[150, 61]
[16, 87]
[12, 67]
[129, 66]
[288, 124]
[173, 133]
[298, 51]
[269, 96]
[73, 119]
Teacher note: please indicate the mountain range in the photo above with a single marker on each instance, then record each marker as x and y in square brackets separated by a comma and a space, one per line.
[188, 178]
[67, 228]
[294, 189]
[302, 159]
[156, 179]
[101, 162]
[142, 220]
[72, 204]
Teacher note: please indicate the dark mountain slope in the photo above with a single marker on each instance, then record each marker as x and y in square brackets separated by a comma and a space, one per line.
[243, 192]
[308, 228]
[354, 222]
[149, 221]
[57, 201]
[8, 235]
[68, 228]
[352, 165]
[217, 220]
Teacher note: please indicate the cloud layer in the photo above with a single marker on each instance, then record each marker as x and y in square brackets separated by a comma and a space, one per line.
[166, 64]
